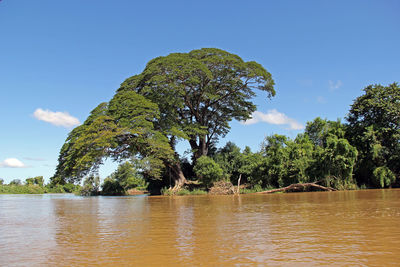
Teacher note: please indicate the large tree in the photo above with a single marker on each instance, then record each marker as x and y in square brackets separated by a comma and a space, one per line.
[200, 92]
[195, 96]
[374, 128]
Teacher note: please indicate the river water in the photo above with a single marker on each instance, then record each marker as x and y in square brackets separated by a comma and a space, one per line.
[359, 228]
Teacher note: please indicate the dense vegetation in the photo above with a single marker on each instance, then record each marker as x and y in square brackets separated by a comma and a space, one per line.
[364, 152]
[193, 97]
[35, 185]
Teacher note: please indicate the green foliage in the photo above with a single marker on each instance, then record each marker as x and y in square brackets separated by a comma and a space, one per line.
[90, 186]
[339, 158]
[208, 170]
[325, 156]
[230, 159]
[128, 177]
[36, 185]
[70, 188]
[124, 178]
[112, 187]
[276, 158]
[118, 130]
[1, 181]
[62, 188]
[200, 92]
[374, 129]
[182, 192]
[38, 180]
[299, 154]
[56, 189]
[21, 189]
[15, 182]
[190, 96]
[254, 189]
[319, 129]
[165, 191]
[383, 177]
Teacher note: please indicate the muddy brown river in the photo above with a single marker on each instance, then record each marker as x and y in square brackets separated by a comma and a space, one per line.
[357, 228]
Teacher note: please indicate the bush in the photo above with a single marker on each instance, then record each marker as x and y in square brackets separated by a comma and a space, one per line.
[112, 187]
[126, 177]
[208, 170]
[90, 186]
[70, 188]
[54, 189]
[183, 192]
[383, 177]
[21, 189]
[166, 191]
[38, 180]
[15, 182]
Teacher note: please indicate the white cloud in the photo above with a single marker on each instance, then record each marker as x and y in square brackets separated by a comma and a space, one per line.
[274, 117]
[56, 118]
[335, 85]
[12, 163]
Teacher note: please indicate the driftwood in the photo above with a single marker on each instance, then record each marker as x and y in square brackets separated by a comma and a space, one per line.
[300, 188]
[238, 187]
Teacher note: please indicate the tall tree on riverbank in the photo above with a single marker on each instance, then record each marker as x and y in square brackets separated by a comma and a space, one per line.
[192, 96]
[374, 128]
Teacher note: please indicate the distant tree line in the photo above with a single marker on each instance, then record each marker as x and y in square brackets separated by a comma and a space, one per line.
[35, 185]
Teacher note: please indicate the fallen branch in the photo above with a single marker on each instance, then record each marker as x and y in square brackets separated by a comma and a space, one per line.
[238, 187]
[299, 188]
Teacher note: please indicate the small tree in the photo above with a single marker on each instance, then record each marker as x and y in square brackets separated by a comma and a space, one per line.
[38, 180]
[208, 170]
[15, 182]
[90, 186]
[124, 178]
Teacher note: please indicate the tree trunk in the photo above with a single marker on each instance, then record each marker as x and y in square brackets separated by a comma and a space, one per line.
[200, 149]
[177, 176]
[203, 146]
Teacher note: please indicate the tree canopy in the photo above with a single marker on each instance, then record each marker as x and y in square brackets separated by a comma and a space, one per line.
[200, 92]
[119, 129]
[191, 96]
[374, 128]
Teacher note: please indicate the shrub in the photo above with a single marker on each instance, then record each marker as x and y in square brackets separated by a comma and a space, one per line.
[208, 170]
[383, 177]
[90, 186]
[112, 187]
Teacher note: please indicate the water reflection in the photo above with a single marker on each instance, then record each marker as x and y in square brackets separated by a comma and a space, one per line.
[340, 228]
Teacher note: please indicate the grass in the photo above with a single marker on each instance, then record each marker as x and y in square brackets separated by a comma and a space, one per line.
[21, 189]
[183, 192]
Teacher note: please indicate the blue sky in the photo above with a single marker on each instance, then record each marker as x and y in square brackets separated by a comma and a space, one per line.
[68, 56]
